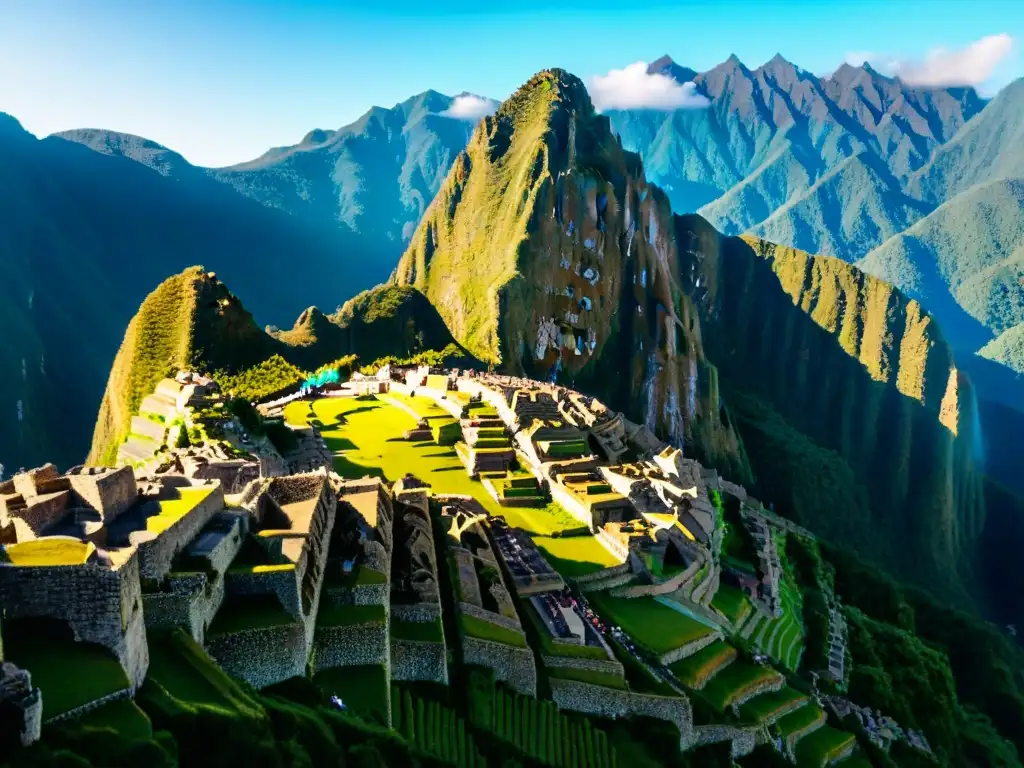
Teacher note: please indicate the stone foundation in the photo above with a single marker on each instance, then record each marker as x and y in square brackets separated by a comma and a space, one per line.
[261, 657]
[514, 666]
[414, 660]
[350, 646]
[612, 702]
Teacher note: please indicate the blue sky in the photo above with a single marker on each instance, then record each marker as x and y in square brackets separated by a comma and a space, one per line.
[222, 81]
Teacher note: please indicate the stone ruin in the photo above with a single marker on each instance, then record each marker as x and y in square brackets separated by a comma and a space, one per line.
[21, 707]
[35, 502]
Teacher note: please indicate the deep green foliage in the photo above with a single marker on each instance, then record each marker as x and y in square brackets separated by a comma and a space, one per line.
[272, 378]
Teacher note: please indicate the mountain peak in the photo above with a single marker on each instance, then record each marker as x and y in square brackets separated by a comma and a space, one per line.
[667, 66]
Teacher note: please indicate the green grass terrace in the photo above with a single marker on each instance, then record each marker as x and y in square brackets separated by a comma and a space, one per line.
[69, 673]
[736, 681]
[823, 747]
[771, 705]
[472, 626]
[366, 438]
[656, 627]
[695, 670]
[420, 631]
[240, 613]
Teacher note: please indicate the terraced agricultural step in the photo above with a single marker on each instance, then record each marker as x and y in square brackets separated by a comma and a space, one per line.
[751, 624]
[794, 738]
[770, 646]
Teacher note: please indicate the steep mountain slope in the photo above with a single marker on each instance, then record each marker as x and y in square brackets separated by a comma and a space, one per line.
[1007, 348]
[844, 213]
[989, 147]
[193, 322]
[375, 177]
[86, 235]
[864, 372]
[544, 221]
[546, 252]
[965, 262]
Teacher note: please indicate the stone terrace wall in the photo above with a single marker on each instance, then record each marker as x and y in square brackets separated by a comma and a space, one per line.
[419, 612]
[351, 645]
[101, 605]
[261, 657]
[414, 660]
[743, 739]
[689, 649]
[281, 583]
[612, 702]
[192, 604]
[108, 491]
[606, 666]
[156, 554]
[511, 665]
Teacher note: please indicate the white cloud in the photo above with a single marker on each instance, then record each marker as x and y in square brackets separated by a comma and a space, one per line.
[634, 88]
[972, 65]
[469, 106]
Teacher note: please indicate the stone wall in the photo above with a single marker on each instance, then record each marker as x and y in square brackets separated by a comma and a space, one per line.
[157, 552]
[191, 604]
[415, 660]
[421, 613]
[689, 649]
[612, 702]
[494, 618]
[514, 666]
[261, 657]
[100, 605]
[351, 645]
[109, 491]
[606, 666]
[364, 594]
[743, 739]
[73, 714]
[281, 583]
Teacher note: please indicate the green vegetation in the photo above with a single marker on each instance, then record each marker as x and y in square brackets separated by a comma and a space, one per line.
[124, 716]
[695, 669]
[350, 615]
[652, 625]
[823, 746]
[68, 672]
[359, 576]
[770, 704]
[537, 728]
[172, 510]
[732, 604]
[423, 631]
[157, 342]
[239, 613]
[575, 556]
[735, 681]
[364, 688]
[471, 626]
[271, 378]
[607, 679]
[798, 720]
[434, 728]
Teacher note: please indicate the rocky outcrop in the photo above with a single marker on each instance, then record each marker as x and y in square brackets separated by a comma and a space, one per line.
[548, 253]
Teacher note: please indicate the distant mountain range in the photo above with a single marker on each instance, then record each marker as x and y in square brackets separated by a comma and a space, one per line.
[856, 165]
[860, 166]
[95, 218]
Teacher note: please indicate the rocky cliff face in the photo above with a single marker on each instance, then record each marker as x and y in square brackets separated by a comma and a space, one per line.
[860, 368]
[547, 253]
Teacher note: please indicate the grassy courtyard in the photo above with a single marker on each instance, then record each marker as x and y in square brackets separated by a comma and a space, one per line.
[69, 673]
[652, 625]
[366, 438]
